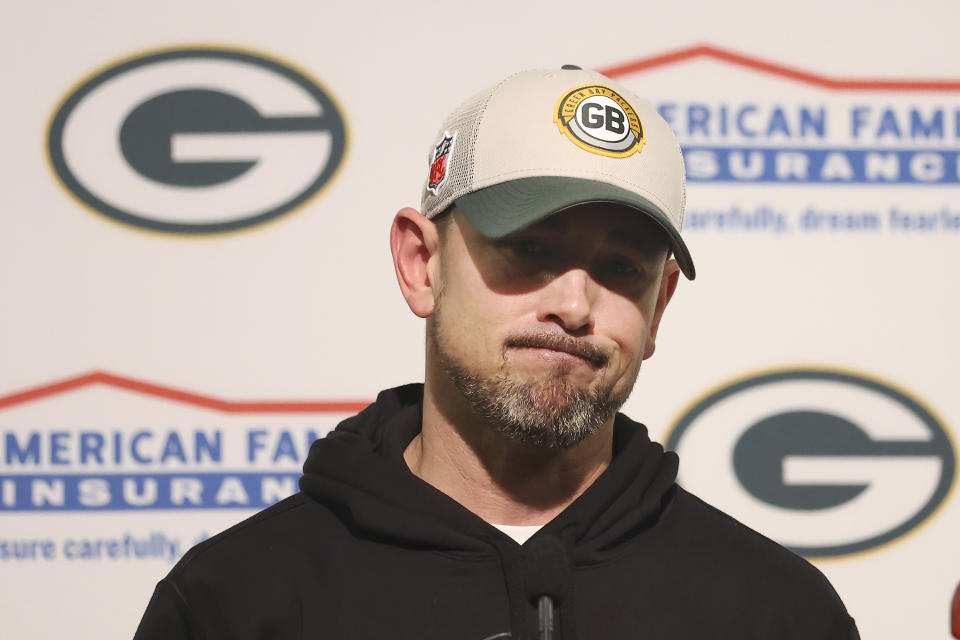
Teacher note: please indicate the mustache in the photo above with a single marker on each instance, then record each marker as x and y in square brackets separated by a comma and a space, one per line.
[558, 342]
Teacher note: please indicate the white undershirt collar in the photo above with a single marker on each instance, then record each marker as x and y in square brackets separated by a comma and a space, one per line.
[519, 532]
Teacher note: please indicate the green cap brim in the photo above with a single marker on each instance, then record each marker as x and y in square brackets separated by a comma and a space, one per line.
[505, 208]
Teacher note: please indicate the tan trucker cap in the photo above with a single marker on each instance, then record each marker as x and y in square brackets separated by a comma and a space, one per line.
[542, 141]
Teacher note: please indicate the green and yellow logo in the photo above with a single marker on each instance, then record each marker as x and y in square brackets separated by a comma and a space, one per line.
[599, 120]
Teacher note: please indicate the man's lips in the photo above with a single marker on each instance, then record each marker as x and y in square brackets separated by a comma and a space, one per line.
[561, 343]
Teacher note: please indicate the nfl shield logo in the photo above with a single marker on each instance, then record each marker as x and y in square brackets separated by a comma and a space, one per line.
[438, 166]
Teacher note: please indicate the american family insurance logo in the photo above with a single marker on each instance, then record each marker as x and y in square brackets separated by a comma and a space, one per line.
[196, 140]
[105, 442]
[824, 462]
[744, 120]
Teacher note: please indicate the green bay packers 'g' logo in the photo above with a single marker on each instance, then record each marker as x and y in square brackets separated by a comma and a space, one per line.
[598, 119]
[197, 140]
[825, 462]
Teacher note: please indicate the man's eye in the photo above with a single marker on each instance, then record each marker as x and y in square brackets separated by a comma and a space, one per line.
[621, 268]
[526, 246]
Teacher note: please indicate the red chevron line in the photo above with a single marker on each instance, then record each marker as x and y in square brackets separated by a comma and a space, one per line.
[835, 84]
[179, 395]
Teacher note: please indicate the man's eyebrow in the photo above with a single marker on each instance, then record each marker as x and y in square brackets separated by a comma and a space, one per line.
[636, 240]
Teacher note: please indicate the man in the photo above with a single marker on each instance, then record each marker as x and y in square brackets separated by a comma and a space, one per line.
[505, 497]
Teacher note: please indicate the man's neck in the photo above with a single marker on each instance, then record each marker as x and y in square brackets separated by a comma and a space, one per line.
[500, 480]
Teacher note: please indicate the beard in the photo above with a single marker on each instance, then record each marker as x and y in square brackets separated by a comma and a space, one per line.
[549, 412]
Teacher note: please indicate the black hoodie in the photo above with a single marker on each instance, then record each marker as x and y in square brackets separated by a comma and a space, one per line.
[368, 550]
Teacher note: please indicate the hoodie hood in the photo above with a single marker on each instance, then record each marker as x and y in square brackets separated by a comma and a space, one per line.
[359, 471]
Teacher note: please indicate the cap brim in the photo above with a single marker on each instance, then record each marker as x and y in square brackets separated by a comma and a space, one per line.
[501, 209]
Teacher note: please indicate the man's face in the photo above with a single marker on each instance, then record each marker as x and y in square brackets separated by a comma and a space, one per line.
[543, 332]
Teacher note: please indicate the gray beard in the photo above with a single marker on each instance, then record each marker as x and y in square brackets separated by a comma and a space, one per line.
[551, 412]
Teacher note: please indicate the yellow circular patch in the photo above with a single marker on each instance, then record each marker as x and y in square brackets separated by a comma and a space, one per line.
[599, 120]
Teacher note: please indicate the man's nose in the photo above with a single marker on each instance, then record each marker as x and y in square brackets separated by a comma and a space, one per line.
[568, 300]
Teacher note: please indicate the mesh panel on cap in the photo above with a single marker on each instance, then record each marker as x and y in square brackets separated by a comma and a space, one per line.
[464, 122]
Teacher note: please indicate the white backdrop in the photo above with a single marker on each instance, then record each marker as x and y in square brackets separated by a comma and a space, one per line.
[182, 375]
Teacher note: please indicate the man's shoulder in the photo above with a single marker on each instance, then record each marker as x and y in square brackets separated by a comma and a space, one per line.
[738, 552]
[289, 527]
[251, 575]
[706, 567]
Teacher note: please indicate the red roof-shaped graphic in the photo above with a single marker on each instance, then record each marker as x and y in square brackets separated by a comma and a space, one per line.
[806, 77]
[179, 395]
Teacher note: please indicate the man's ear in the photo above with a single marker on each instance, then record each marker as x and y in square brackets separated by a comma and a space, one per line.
[668, 284]
[414, 243]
